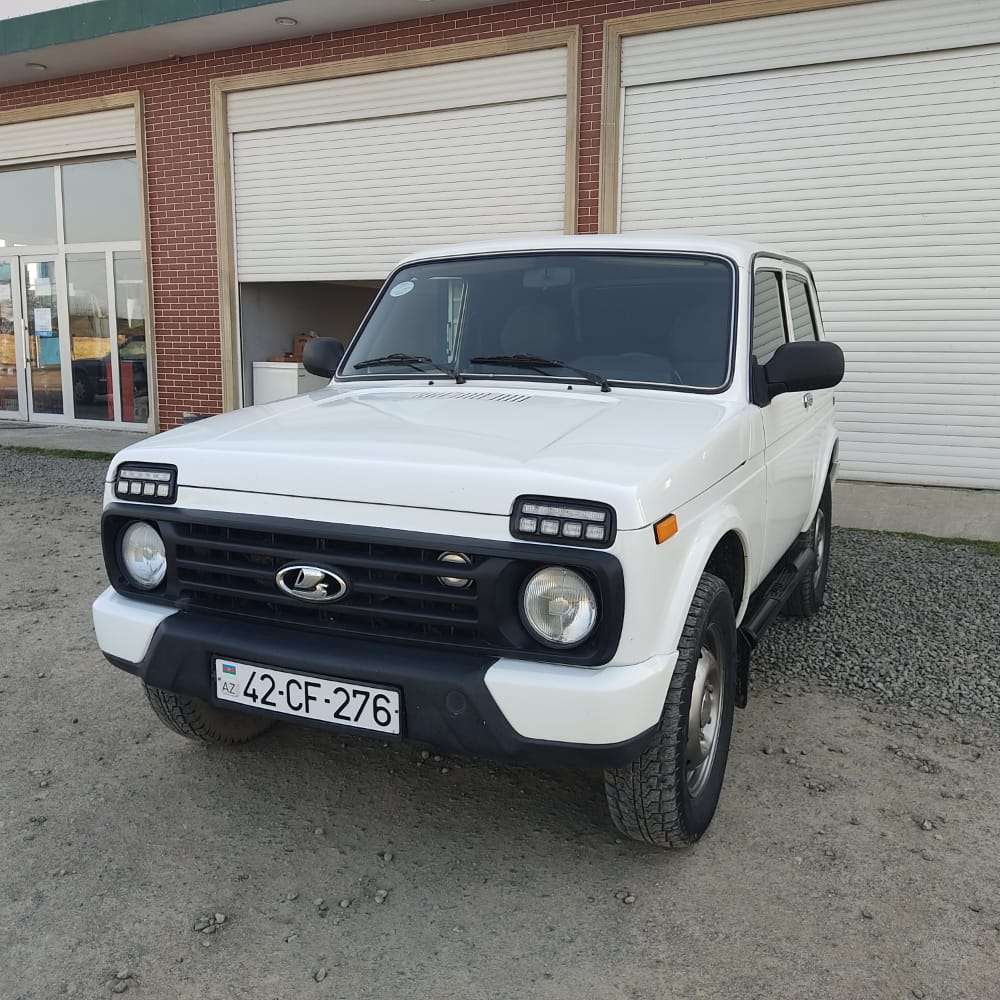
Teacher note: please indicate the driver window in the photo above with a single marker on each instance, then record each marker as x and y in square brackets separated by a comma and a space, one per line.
[769, 326]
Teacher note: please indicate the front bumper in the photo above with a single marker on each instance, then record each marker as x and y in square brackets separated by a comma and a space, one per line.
[462, 702]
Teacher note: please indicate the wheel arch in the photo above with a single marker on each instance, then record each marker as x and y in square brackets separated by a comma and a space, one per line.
[728, 561]
[720, 546]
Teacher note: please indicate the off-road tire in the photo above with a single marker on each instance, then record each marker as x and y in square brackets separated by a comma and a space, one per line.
[649, 799]
[198, 720]
[807, 598]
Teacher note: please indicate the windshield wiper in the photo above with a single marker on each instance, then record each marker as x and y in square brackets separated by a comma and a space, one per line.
[411, 360]
[533, 361]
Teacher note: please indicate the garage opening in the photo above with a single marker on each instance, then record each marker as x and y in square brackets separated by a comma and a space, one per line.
[277, 319]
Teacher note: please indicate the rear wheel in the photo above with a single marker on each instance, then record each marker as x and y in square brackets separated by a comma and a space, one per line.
[198, 720]
[668, 795]
[808, 597]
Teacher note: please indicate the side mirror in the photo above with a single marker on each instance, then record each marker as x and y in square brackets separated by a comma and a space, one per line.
[322, 356]
[803, 365]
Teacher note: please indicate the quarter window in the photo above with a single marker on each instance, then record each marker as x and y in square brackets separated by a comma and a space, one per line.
[803, 324]
[768, 316]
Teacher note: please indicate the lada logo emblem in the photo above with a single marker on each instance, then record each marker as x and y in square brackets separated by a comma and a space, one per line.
[310, 583]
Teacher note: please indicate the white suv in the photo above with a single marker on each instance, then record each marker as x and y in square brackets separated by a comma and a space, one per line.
[553, 494]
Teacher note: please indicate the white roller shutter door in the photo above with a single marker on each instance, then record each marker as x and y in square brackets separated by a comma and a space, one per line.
[880, 172]
[377, 166]
[73, 135]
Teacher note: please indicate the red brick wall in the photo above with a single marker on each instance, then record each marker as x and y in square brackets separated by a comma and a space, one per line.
[179, 156]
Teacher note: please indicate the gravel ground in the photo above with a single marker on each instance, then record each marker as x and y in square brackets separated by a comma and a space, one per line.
[854, 854]
[909, 621]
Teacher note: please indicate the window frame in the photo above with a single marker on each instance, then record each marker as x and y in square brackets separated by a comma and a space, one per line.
[569, 378]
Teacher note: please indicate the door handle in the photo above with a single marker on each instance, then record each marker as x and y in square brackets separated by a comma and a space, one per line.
[807, 400]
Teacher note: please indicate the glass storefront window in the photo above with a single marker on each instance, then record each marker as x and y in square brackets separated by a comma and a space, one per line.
[44, 361]
[8, 349]
[130, 282]
[90, 336]
[28, 200]
[101, 201]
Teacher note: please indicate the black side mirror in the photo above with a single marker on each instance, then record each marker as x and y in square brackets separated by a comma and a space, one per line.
[801, 366]
[322, 356]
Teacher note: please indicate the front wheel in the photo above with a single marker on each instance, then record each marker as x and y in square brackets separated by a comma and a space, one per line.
[198, 720]
[668, 795]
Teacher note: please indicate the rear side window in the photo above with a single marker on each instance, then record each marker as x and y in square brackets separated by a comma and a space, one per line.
[803, 323]
[768, 316]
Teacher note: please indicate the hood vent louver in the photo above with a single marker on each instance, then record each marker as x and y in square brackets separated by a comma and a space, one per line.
[493, 397]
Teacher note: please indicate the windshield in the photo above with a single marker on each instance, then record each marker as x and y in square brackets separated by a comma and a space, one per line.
[642, 318]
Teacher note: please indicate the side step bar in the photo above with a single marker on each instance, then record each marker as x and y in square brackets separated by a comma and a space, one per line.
[765, 605]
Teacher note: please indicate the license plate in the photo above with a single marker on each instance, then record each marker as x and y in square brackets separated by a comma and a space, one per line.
[323, 699]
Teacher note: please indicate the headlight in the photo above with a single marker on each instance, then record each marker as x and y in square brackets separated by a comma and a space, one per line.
[145, 482]
[559, 606]
[572, 522]
[144, 556]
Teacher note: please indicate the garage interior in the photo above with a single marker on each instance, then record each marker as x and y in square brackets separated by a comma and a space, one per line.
[274, 314]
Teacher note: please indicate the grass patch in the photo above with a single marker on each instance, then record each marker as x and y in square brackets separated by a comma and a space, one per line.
[993, 548]
[91, 456]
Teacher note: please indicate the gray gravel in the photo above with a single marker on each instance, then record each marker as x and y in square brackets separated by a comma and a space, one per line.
[909, 621]
[26, 475]
[854, 853]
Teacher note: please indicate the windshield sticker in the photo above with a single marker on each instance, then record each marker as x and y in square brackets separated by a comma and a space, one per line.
[403, 288]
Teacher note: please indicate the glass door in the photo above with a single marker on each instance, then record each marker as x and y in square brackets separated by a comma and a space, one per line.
[12, 395]
[42, 295]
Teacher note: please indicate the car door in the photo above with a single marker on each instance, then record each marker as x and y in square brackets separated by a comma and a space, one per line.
[788, 430]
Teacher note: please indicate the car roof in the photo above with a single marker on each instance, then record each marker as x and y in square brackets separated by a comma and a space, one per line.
[740, 250]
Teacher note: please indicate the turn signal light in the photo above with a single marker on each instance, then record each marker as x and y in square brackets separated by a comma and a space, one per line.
[665, 528]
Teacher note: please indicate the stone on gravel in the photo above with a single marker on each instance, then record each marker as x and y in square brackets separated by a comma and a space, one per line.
[320, 974]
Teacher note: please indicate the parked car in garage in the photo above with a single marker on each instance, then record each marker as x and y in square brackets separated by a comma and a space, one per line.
[553, 495]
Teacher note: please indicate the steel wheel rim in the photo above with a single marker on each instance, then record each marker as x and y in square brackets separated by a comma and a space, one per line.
[819, 545]
[704, 721]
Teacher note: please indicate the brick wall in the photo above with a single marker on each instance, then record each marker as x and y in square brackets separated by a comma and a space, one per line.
[179, 156]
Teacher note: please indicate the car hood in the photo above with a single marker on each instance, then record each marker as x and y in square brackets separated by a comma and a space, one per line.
[466, 448]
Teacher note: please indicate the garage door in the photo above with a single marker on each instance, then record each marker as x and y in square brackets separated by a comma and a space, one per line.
[339, 179]
[867, 141]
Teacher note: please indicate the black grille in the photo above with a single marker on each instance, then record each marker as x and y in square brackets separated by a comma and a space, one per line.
[226, 564]
[393, 590]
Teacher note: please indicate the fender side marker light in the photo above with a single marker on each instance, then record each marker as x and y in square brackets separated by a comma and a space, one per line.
[665, 528]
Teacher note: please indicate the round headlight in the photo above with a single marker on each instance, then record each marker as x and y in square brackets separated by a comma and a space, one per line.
[456, 559]
[144, 556]
[559, 606]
